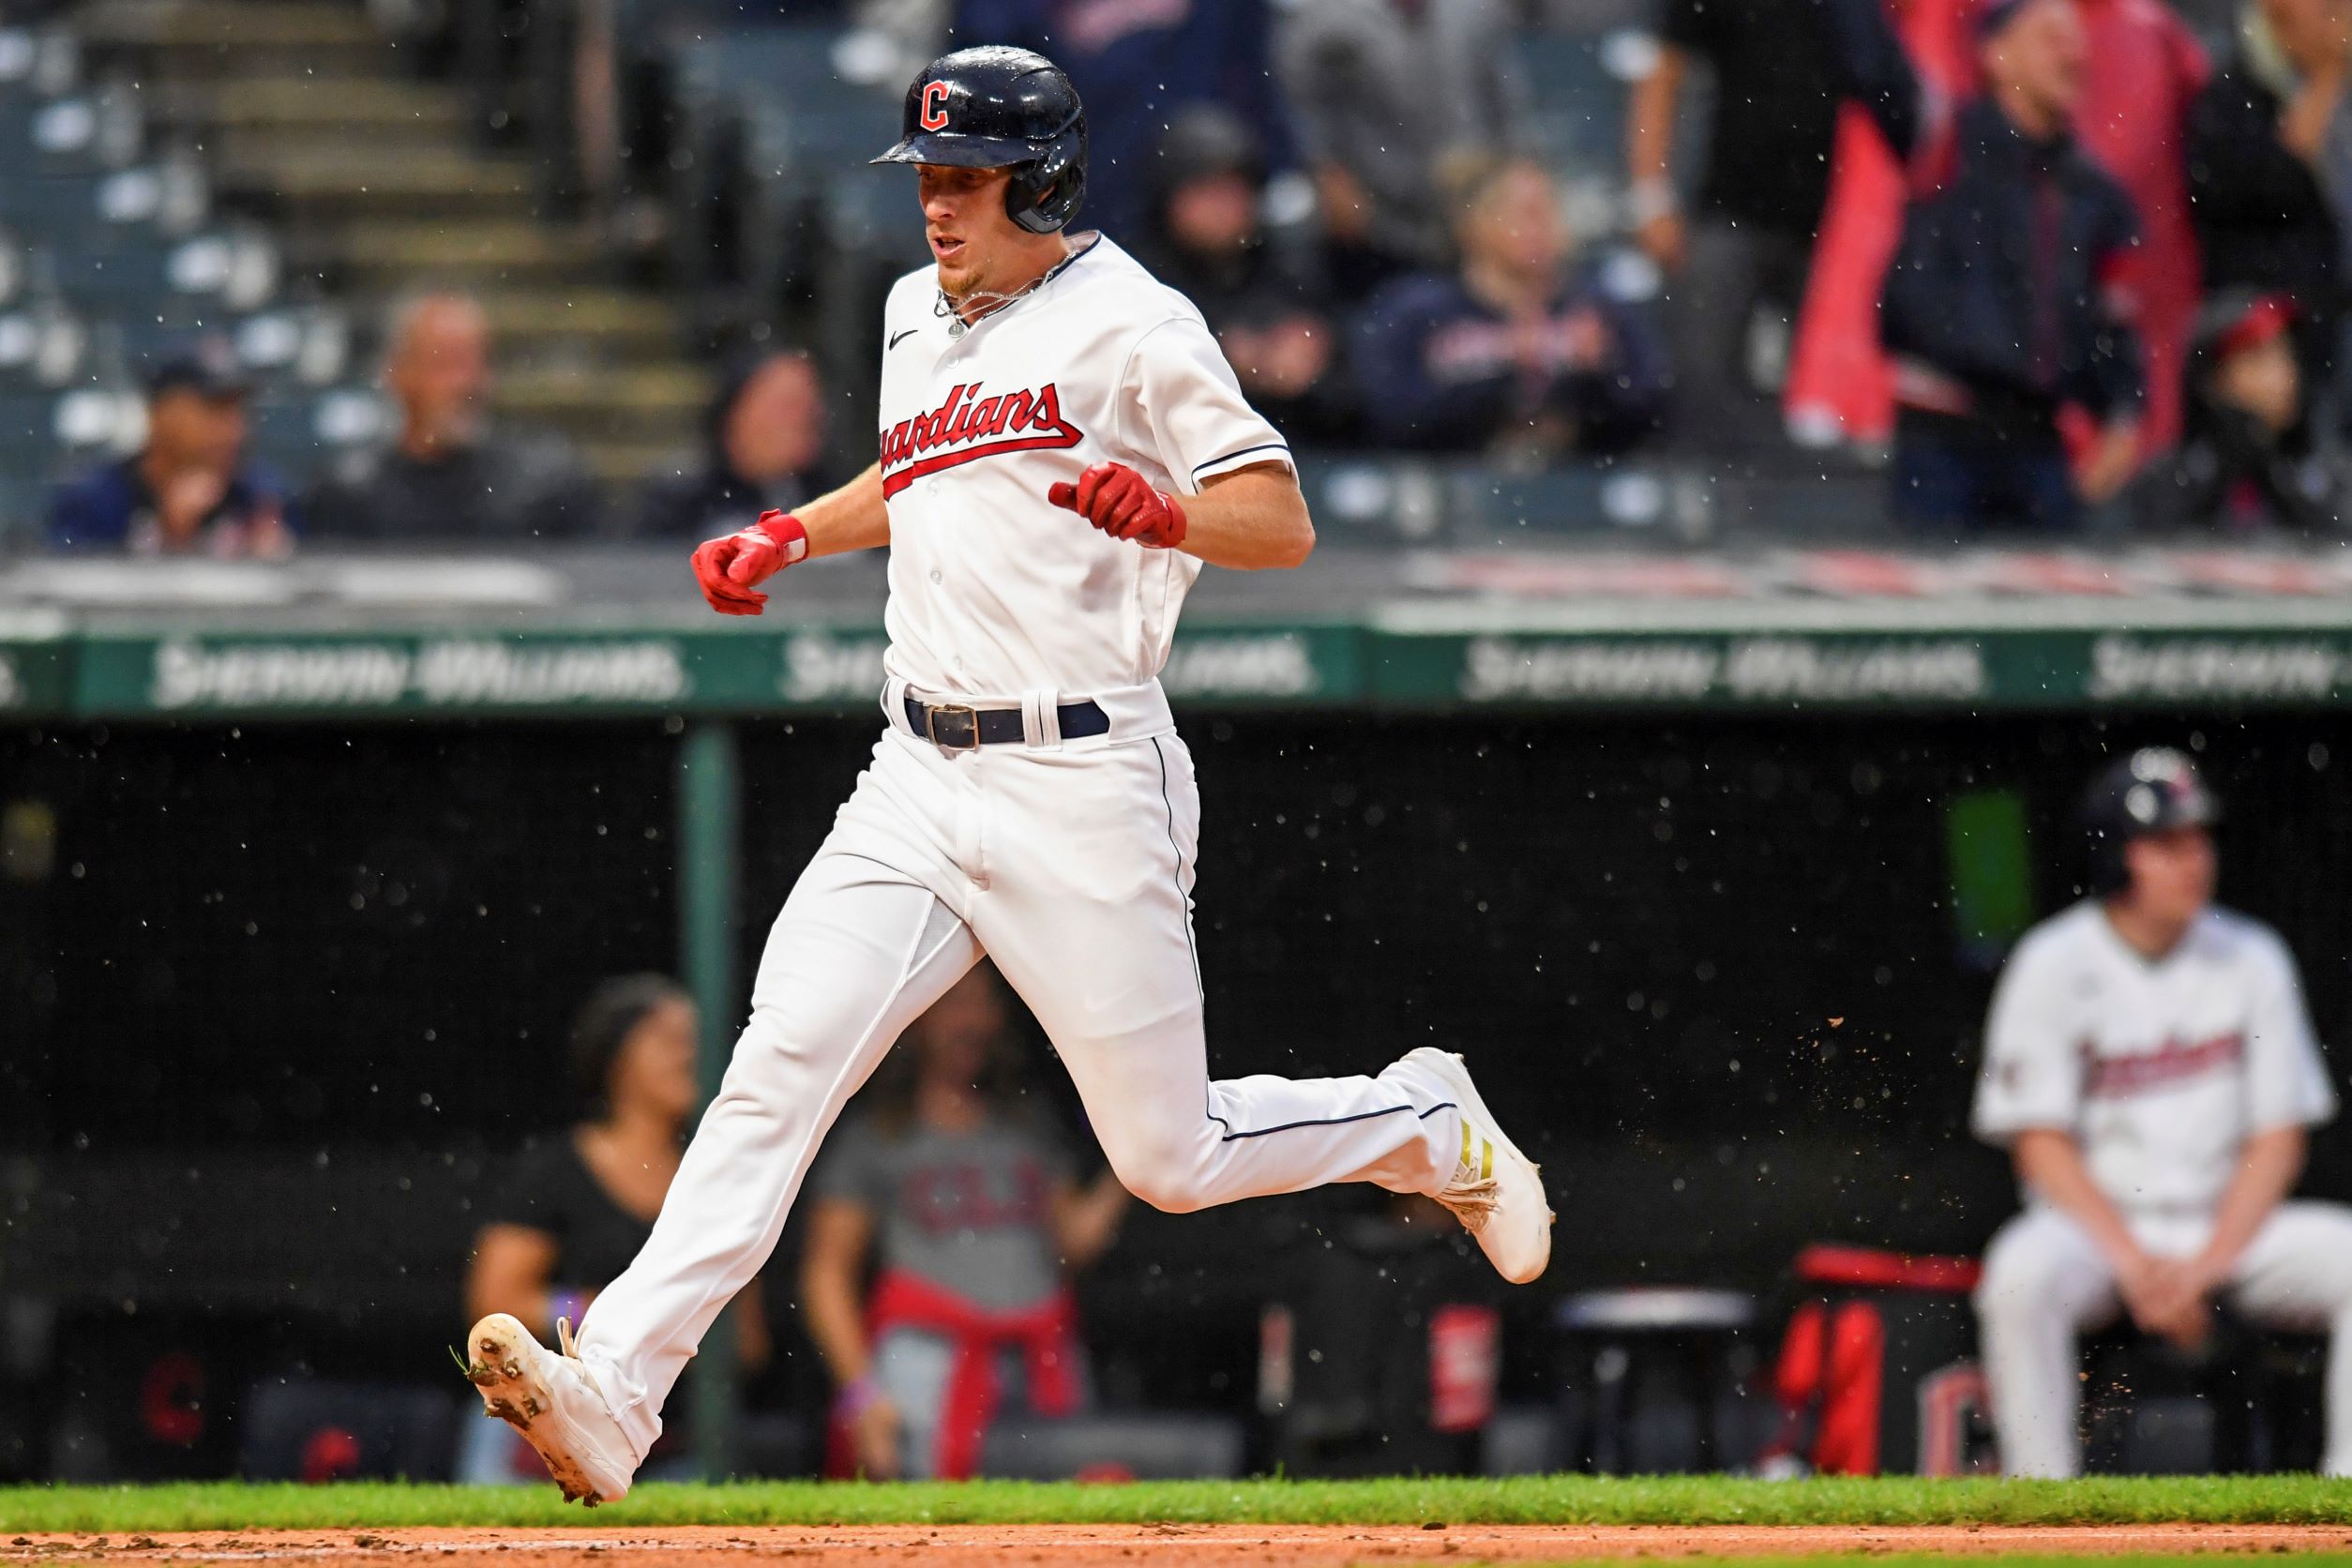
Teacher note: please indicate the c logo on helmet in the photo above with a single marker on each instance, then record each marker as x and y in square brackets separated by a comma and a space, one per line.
[933, 114]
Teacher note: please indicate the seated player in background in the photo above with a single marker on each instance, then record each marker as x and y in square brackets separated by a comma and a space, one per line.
[188, 489]
[968, 1208]
[2150, 1067]
[577, 1205]
[1515, 356]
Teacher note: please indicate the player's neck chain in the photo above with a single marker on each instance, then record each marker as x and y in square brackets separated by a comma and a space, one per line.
[991, 303]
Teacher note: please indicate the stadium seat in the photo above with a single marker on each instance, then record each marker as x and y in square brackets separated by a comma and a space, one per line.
[291, 346]
[1579, 97]
[22, 503]
[38, 63]
[301, 434]
[86, 133]
[232, 268]
[41, 346]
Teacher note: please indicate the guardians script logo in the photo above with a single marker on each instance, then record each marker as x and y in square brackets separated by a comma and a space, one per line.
[967, 426]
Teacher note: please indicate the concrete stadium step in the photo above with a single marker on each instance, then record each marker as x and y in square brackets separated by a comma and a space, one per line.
[258, 146]
[625, 465]
[252, 121]
[151, 22]
[309, 100]
[474, 253]
[232, 38]
[618, 320]
[624, 450]
[386, 183]
[656, 390]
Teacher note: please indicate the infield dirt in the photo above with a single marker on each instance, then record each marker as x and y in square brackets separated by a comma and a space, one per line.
[1174, 1546]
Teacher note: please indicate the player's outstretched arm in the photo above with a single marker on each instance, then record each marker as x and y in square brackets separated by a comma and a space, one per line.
[1250, 520]
[855, 517]
[729, 569]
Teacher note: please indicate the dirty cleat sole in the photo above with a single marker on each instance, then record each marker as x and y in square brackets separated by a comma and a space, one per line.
[505, 1362]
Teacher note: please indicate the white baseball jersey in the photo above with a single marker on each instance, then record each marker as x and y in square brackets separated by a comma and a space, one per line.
[1068, 861]
[994, 591]
[2161, 1070]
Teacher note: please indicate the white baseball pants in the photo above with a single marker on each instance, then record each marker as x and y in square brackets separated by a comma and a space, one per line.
[2045, 1281]
[1070, 864]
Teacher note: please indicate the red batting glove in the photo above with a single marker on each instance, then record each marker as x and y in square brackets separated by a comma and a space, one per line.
[1122, 504]
[728, 568]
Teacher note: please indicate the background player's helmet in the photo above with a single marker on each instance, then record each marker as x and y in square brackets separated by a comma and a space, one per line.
[999, 108]
[2154, 789]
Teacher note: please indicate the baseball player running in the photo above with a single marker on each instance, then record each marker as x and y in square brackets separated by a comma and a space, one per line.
[2149, 1064]
[1062, 447]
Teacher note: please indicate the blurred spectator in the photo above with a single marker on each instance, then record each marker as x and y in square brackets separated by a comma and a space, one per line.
[1514, 355]
[1744, 247]
[448, 475]
[1136, 63]
[2271, 168]
[971, 1212]
[1998, 306]
[576, 1207]
[189, 489]
[765, 441]
[2252, 454]
[1207, 239]
[2142, 69]
[1384, 91]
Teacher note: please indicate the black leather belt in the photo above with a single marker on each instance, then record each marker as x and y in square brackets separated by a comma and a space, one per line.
[952, 727]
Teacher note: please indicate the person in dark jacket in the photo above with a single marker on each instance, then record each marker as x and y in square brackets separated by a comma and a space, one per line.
[2271, 169]
[1208, 240]
[1514, 355]
[189, 489]
[2252, 456]
[451, 475]
[763, 445]
[1998, 308]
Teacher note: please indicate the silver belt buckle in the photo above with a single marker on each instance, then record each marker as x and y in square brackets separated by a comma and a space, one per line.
[952, 727]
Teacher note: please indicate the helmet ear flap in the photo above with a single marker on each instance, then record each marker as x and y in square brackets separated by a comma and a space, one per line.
[1044, 195]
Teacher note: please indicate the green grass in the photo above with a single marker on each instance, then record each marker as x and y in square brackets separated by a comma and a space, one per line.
[1461, 1500]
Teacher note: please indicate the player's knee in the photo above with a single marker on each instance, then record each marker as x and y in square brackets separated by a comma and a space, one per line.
[2020, 1283]
[1161, 1170]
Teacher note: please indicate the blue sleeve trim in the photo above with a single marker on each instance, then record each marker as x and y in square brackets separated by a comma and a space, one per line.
[1267, 447]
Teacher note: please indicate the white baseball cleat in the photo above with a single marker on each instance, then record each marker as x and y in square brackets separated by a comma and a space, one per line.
[1497, 1192]
[554, 1403]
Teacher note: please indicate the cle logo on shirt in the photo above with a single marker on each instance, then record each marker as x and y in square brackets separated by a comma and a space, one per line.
[967, 427]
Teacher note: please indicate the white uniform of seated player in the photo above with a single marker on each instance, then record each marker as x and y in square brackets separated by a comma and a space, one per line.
[1062, 447]
[2150, 1066]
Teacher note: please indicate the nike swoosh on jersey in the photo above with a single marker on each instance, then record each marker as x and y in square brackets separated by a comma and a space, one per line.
[896, 337]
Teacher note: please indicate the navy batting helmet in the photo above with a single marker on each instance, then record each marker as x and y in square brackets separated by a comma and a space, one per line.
[2153, 790]
[999, 108]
